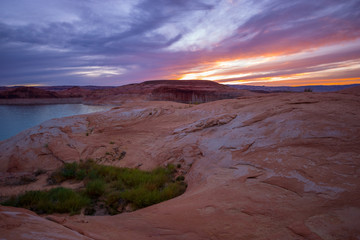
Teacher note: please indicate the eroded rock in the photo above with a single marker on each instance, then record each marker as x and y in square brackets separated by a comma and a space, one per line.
[275, 166]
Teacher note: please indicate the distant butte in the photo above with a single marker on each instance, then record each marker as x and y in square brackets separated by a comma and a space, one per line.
[190, 91]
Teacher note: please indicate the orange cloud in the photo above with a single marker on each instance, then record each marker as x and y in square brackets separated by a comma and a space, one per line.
[334, 64]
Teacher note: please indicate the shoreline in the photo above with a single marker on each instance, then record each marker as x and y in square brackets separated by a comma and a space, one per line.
[40, 101]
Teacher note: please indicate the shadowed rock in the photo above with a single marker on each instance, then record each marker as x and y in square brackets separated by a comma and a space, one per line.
[27, 92]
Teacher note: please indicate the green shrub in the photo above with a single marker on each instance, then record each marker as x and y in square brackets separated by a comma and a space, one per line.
[92, 174]
[59, 200]
[80, 174]
[171, 168]
[172, 190]
[66, 200]
[69, 170]
[113, 201]
[117, 185]
[95, 188]
[135, 177]
[112, 186]
[141, 196]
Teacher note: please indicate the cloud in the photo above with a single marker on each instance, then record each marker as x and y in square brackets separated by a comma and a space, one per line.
[92, 42]
[284, 28]
[285, 39]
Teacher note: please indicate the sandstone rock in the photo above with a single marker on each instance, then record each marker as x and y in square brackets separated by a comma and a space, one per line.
[275, 166]
[190, 91]
[353, 90]
[18, 223]
[206, 123]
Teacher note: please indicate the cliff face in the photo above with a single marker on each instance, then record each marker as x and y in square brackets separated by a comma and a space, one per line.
[189, 95]
[191, 91]
[274, 166]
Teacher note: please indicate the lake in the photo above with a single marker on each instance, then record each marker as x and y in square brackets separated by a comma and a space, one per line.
[16, 118]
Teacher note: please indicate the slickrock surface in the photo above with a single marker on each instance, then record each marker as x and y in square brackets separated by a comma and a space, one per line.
[273, 166]
[352, 90]
[16, 223]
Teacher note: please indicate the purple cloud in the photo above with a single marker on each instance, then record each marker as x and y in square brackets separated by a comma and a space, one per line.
[118, 42]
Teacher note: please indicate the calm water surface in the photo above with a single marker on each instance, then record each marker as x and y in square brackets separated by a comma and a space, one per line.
[16, 118]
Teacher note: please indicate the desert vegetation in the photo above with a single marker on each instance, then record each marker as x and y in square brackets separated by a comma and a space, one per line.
[114, 189]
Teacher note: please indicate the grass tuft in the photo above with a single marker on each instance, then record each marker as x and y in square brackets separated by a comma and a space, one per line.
[59, 200]
[114, 187]
[95, 188]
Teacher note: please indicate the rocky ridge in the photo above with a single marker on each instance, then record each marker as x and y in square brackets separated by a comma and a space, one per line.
[192, 91]
[27, 92]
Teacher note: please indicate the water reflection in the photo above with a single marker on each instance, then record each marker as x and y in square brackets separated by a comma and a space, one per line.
[16, 118]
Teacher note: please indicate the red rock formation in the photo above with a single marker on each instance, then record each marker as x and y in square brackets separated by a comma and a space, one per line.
[195, 91]
[352, 90]
[18, 223]
[74, 92]
[274, 166]
[34, 92]
[191, 91]
[27, 92]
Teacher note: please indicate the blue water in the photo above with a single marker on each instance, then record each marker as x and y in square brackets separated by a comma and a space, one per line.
[16, 118]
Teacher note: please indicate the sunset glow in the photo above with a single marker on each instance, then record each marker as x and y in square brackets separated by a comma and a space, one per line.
[272, 70]
[263, 42]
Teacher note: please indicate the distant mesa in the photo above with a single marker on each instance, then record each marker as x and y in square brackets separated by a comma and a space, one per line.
[27, 92]
[183, 91]
[76, 92]
[191, 91]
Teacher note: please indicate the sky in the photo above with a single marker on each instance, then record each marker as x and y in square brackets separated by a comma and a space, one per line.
[117, 42]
